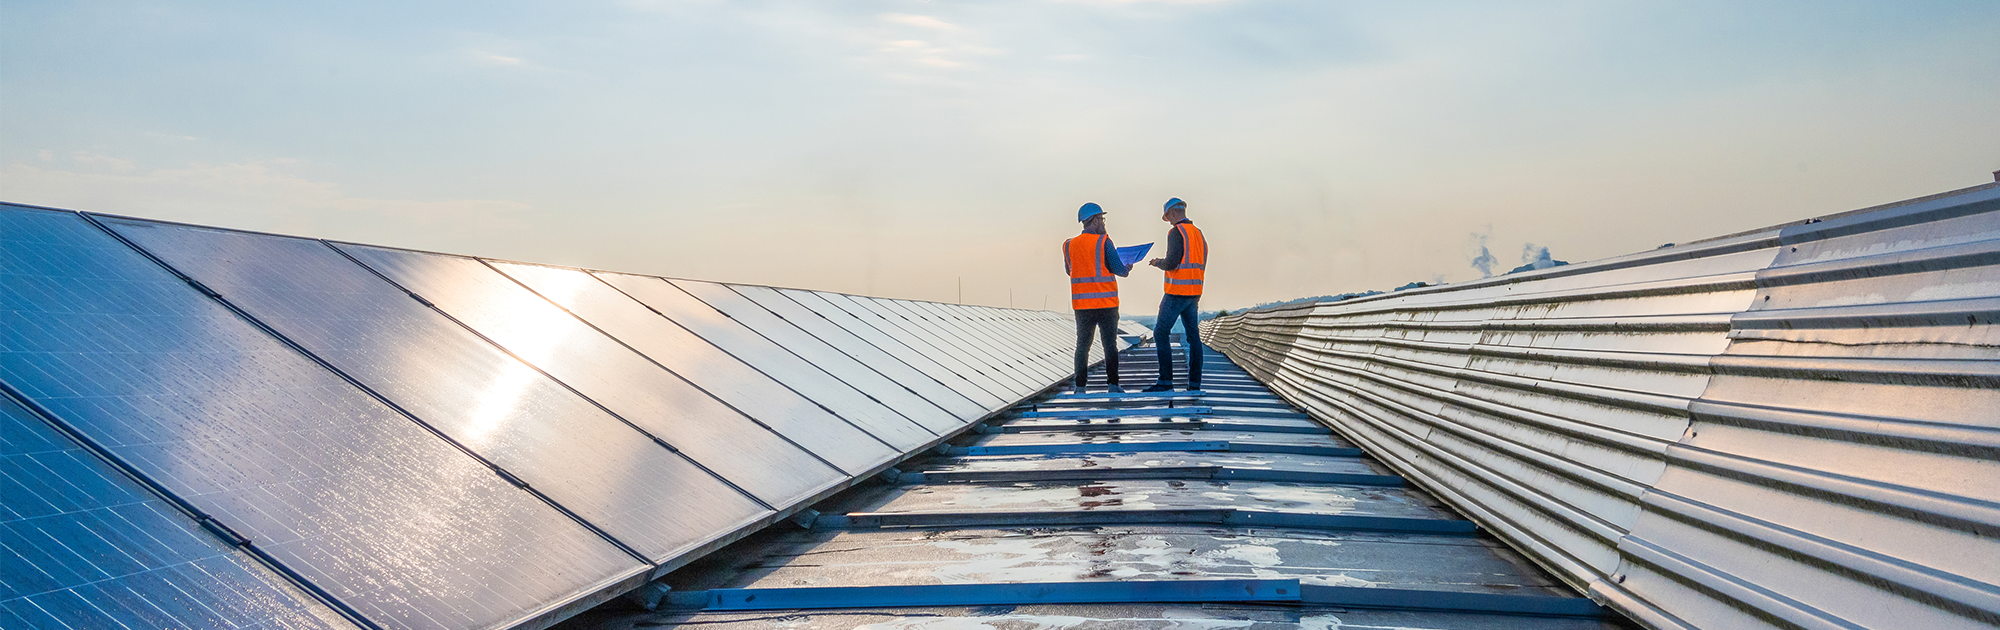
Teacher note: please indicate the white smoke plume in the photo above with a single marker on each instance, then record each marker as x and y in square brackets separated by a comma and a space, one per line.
[1536, 257]
[1485, 261]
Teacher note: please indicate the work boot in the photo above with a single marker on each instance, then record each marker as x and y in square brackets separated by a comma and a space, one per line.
[1160, 387]
[1194, 387]
[1115, 389]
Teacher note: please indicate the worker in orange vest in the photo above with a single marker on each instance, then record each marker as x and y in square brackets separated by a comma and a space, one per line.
[1093, 266]
[1186, 264]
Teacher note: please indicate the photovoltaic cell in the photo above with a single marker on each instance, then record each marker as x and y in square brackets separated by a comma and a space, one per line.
[923, 341]
[643, 494]
[817, 352]
[84, 546]
[707, 366]
[979, 399]
[536, 331]
[866, 354]
[809, 380]
[325, 479]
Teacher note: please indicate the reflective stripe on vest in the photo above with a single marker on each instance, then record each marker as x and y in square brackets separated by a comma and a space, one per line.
[1186, 279]
[1091, 284]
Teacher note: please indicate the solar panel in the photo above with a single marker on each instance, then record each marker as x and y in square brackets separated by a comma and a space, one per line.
[809, 380]
[886, 344]
[911, 349]
[1053, 340]
[82, 545]
[818, 352]
[1004, 328]
[949, 341]
[931, 345]
[645, 496]
[967, 322]
[624, 382]
[735, 382]
[852, 345]
[1050, 343]
[948, 333]
[335, 486]
[979, 326]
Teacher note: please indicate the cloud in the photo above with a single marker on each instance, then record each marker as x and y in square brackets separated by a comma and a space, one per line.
[920, 21]
[116, 165]
[496, 59]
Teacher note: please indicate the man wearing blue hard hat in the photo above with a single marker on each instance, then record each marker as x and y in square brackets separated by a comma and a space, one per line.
[1186, 265]
[1093, 266]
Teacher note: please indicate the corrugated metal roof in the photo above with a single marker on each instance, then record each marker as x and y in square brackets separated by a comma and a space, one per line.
[1222, 508]
[1788, 428]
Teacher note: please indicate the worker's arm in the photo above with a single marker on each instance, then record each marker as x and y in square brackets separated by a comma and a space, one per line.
[1174, 251]
[1111, 260]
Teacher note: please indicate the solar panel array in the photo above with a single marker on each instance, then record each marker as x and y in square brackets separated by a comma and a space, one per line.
[208, 428]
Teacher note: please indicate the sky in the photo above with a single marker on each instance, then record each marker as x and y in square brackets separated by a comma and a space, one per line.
[931, 150]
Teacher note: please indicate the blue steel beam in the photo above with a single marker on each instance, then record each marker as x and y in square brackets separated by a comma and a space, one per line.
[1283, 591]
[1112, 424]
[1149, 412]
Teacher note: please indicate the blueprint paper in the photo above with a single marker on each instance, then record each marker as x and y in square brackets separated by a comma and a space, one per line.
[1131, 255]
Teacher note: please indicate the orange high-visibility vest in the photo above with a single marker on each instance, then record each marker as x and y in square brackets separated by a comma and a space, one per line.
[1186, 279]
[1091, 284]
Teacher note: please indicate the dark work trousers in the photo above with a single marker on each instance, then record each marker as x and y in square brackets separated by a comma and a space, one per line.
[1187, 309]
[1105, 320]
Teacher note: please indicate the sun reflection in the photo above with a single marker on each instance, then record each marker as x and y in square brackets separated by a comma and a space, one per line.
[496, 403]
[535, 333]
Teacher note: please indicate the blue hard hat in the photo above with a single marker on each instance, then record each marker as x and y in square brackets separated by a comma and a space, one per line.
[1176, 201]
[1087, 211]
